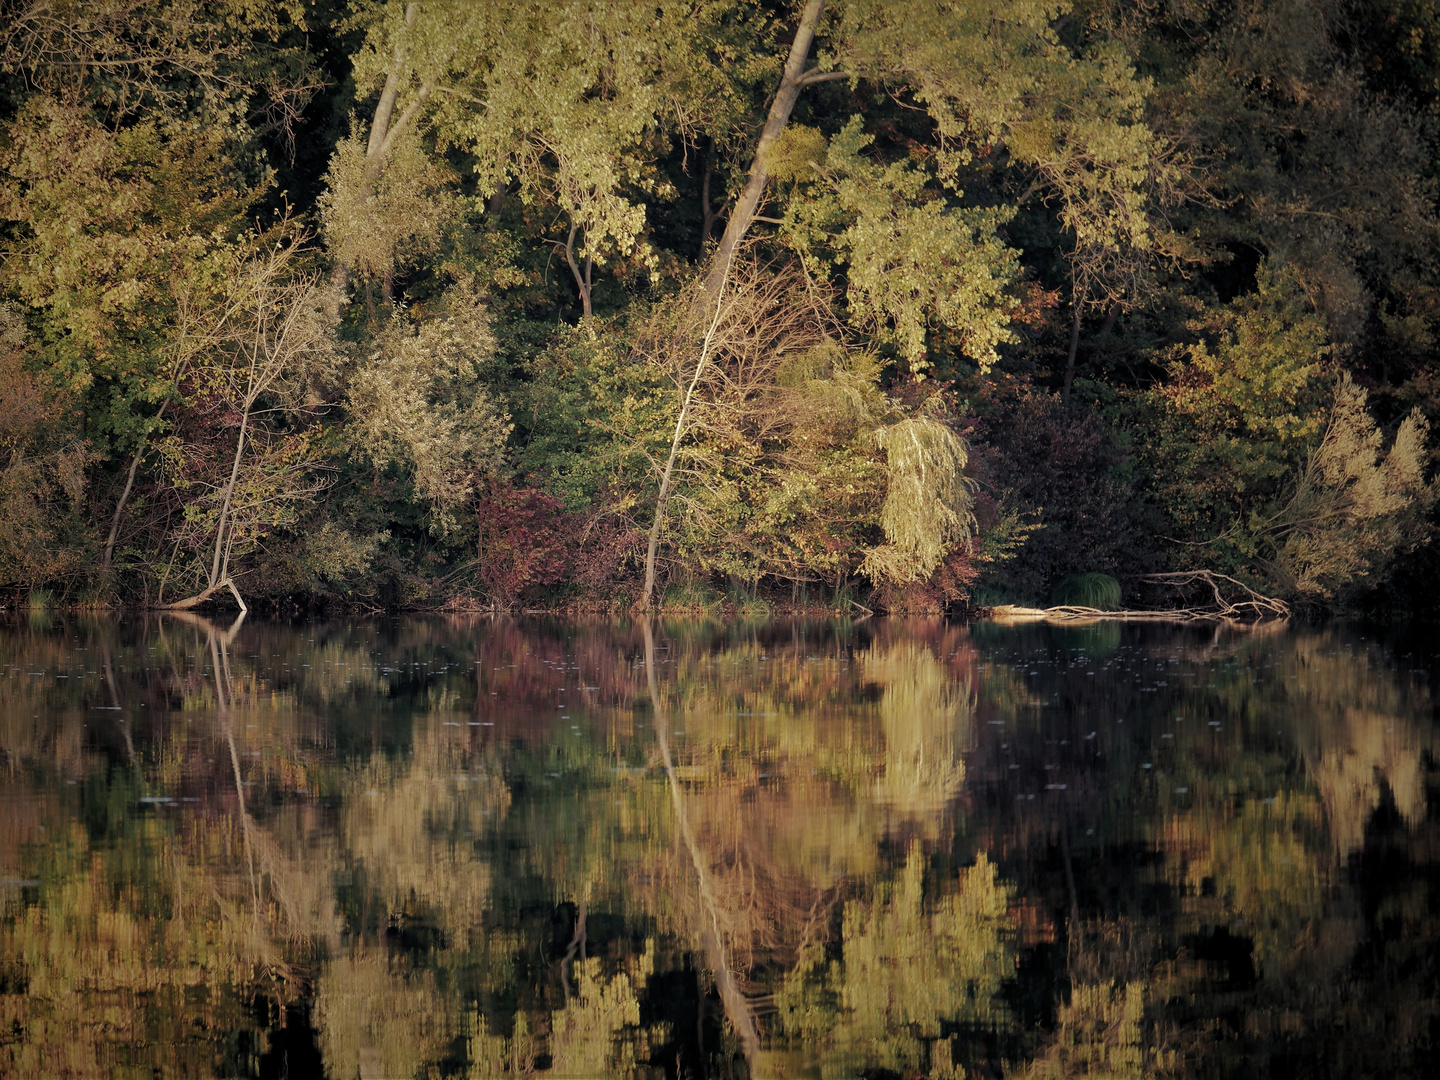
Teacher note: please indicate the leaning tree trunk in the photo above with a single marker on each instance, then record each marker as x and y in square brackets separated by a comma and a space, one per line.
[221, 560]
[662, 498]
[747, 205]
[742, 216]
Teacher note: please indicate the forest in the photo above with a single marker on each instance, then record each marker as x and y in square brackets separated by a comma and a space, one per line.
[868, 305]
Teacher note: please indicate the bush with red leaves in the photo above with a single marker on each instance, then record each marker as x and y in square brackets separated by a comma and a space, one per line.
[524, 541]
[948, 586]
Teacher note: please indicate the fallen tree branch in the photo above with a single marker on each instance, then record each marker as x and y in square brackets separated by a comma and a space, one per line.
[200, 597]
[1248, 606]
[1250, 603]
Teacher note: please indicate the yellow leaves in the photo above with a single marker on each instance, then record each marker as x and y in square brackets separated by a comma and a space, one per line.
[1033, 139]
[383, 220]
[927, 507]
[1262, 374]
[418, 399]
[565, 101]
[1353, 509]
[911, 262]
[596, 1033]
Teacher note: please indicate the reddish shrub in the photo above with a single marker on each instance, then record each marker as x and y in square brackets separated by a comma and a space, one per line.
[608, 549]
[524, 541]
[948, 585]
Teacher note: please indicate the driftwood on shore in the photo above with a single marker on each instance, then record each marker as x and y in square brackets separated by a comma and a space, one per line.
[1243, 604]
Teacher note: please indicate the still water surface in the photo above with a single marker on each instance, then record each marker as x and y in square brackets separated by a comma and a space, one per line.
[887, 849]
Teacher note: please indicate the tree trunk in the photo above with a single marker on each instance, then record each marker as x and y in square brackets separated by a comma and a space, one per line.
[582, 281]
[124, 498]
[220, 563]
[213, 583]
[662, 498]
[742, 216]
[707, 208]
[119, 510]
[493, 209]
[748, 204]
[377, 148]
[1074, 345]
[1111, 318]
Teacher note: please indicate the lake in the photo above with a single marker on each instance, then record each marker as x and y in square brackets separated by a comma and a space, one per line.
[883, 849]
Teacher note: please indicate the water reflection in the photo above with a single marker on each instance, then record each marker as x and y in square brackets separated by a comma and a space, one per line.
[465, 848]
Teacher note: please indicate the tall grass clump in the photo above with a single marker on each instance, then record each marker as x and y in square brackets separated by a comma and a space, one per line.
[1088, 590]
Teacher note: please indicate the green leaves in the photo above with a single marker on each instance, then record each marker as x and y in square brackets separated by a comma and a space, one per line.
[910, 259]
[418, 398]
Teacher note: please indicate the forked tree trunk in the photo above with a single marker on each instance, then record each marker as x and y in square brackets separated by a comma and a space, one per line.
[383, 132]
[220, 563]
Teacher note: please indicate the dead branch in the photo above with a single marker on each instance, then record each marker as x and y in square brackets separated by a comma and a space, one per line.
[1249, 606]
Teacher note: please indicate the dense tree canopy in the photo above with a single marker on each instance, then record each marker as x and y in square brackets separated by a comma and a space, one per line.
[410, 303]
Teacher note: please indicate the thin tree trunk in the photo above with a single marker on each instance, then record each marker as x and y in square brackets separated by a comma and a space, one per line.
[1111, 318]
[115, 706]
[1074, 345]
[225, 502]
[219, 580]
[493, 209]
[582, 281]
[662, 498]
[741, 218]
[119, 511]
[707, 208]
[125, 497]
[748, 204]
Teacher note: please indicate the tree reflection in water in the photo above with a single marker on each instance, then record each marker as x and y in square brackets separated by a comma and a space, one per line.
[475, 848]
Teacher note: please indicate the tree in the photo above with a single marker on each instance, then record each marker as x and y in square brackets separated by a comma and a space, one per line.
[418, 397]
[990, 78]
[565, 103]
[259, 339]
